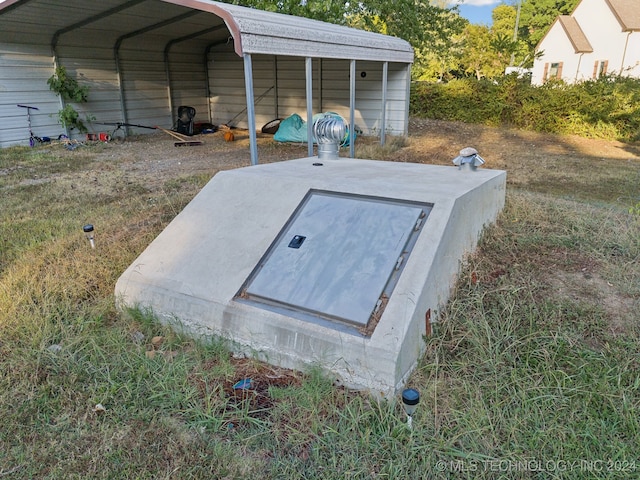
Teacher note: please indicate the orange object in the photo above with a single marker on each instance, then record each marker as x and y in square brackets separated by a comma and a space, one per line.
[228, 136]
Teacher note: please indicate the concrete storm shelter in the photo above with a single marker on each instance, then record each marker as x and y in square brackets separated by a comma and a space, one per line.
[337, 262]
[342, 263]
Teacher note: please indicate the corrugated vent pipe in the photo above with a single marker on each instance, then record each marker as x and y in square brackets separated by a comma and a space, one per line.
[329, 131]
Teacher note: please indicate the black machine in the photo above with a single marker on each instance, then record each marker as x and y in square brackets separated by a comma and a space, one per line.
[184, 123]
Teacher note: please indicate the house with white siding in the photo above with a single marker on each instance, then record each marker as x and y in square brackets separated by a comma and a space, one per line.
[599, 37]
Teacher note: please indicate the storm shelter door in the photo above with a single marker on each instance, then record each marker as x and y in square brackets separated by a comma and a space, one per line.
[336, 255]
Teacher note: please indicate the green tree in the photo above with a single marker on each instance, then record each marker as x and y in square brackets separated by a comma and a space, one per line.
[503, 19]
[441, 63]
[480, 57]
[433, 31]
[422, 24]
[437, 42]
[536, 17]
[326, 10]
[506, 41]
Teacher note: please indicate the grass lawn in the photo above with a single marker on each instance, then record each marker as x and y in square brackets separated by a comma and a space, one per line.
[533, 370]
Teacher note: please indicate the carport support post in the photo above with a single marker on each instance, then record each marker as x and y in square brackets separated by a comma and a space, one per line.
[383, 120]
[309, 83]
[407, 99]
[251, 114]
[207, 76]
[123, 103]
[167, 73]
[352, 109]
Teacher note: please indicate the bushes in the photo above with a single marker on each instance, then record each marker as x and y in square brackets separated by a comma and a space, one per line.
[607, 108]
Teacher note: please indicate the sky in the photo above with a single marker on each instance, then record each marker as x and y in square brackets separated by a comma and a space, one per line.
[477, 11]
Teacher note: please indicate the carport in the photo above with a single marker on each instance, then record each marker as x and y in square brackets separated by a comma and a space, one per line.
[142, 59]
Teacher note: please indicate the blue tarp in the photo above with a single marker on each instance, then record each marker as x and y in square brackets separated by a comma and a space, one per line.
[294, 129]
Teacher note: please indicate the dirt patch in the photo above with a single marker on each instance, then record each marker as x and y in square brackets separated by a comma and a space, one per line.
[588, 286]
[563, 165]
[152, 160]
[440, 141]
[251, 384]
[247, 388]
[147, 162]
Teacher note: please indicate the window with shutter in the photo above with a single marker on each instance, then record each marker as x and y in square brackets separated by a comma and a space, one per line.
[546, 72]
[603, 67]
[600, 68]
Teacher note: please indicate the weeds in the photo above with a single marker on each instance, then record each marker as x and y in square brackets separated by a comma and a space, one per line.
[375, 151]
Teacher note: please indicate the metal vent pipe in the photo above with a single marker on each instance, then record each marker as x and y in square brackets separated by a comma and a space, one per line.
[468, 159]
[329, 131]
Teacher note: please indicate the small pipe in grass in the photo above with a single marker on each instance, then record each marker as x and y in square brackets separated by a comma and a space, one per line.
[410, 400]
[88, 231]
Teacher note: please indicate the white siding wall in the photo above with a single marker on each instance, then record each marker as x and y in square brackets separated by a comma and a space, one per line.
[189, 80]
[335, 89]
[91, 62]
[556, 48]
[226, 84]
[24, 70]
[264, 85]
[330, 87]
[292, 86]
[632, 58]
[144, 80]
[368, 107]
[399, 76]
[605, 35]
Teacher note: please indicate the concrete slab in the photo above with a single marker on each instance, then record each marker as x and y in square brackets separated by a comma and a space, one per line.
[195, 270]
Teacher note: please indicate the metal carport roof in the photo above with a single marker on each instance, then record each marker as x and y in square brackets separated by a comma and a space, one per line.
[254, 31]
[201, 22]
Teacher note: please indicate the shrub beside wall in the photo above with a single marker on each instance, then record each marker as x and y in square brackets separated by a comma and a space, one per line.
[607, 108]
